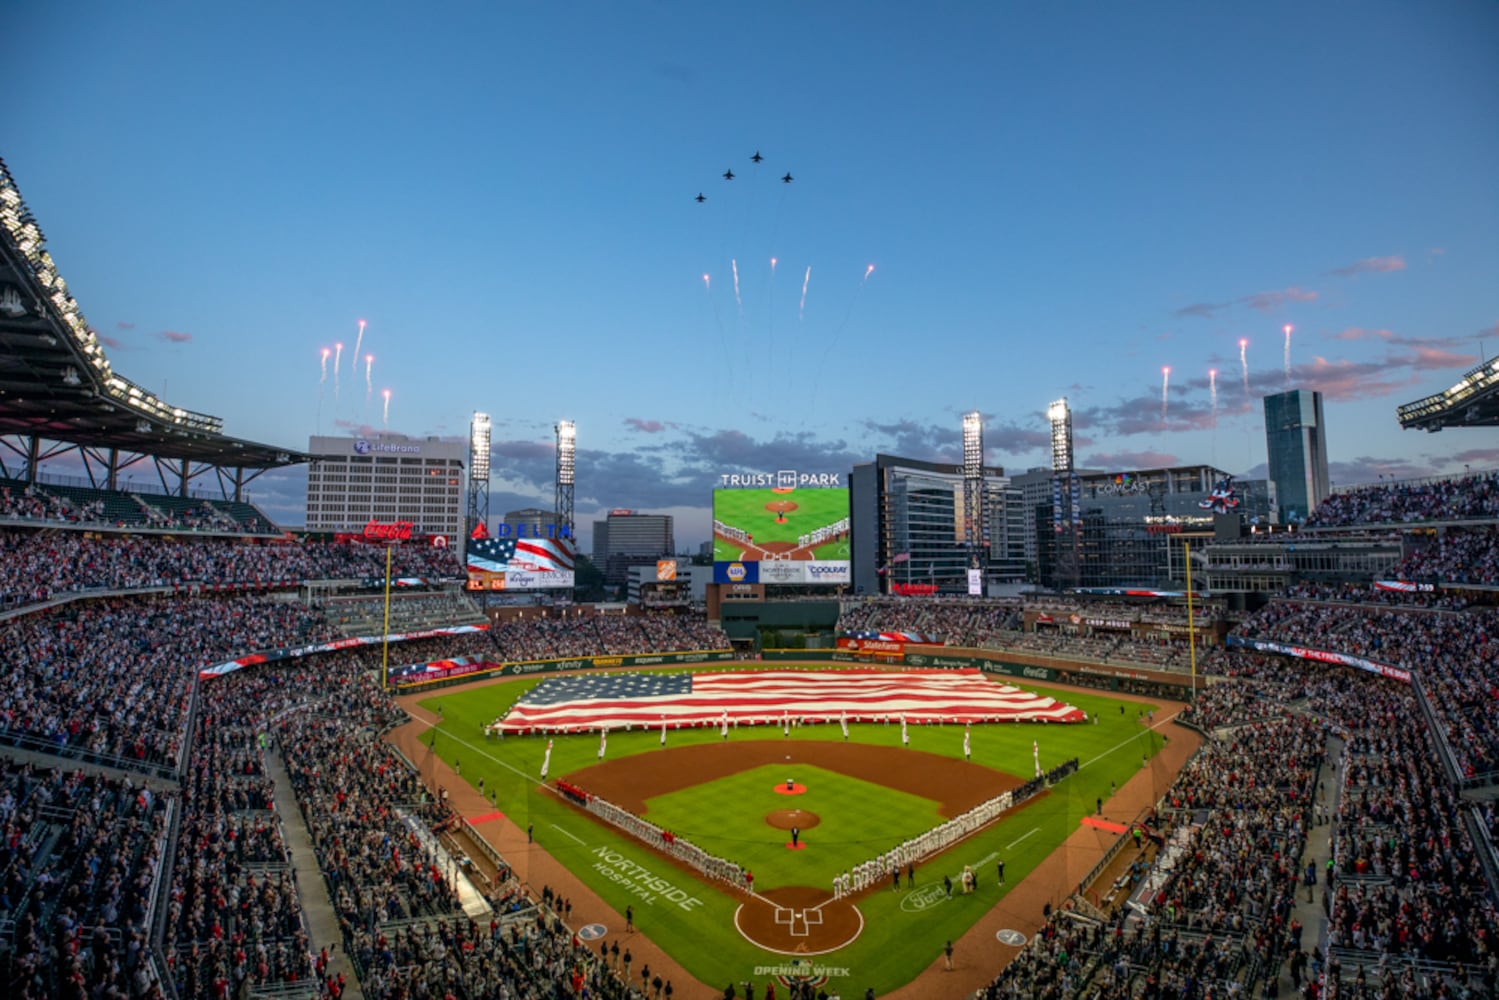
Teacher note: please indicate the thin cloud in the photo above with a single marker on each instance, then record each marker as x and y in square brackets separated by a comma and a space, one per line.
[122, 325]
[113, 343]
[1369, 265]
[174, 336]
[1134, 460]
[647, 426]
[1262, 301]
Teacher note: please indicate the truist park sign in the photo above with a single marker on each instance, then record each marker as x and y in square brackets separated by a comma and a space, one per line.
[782, 479]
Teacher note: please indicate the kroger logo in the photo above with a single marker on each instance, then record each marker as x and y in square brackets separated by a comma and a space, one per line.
[735, 571]
[361, 447]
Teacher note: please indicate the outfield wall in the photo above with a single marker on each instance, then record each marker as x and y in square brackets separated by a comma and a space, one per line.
[519, 668]
[1047, 669]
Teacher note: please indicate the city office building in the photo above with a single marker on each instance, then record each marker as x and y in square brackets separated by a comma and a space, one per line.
[627, 538]
[1296, 445]
[386, 478]
[907, 519]
[1131, 526]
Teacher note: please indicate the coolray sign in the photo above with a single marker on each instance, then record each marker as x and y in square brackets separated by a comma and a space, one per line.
[641, 881]
[782, 479]
[363, 447]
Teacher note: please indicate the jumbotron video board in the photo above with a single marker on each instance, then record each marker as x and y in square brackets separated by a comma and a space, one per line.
[794, 533]
[513, 560]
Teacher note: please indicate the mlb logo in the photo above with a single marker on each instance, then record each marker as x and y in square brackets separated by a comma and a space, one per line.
[786, 479]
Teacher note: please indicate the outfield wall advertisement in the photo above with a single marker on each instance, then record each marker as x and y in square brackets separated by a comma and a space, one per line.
[784, 534]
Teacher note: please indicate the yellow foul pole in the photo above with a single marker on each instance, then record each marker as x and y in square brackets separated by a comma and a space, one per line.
[1191, 618]
[385, 632]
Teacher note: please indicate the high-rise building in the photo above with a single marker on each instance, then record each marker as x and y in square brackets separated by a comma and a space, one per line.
[1296, 446]
[386, 478]
[909, 519]
[627, 538]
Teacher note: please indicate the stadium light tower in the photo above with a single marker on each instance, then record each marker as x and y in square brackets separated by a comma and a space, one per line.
[567, 449]
[478, 471]
[973, 488]
[1061, 436]
[1066, 494]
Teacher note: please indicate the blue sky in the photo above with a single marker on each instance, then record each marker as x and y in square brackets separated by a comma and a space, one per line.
[1057, 200]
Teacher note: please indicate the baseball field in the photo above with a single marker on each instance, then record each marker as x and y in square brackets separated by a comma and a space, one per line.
[767, 522]
[854, 798]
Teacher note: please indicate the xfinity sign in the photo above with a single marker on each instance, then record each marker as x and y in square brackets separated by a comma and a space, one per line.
[783, 479]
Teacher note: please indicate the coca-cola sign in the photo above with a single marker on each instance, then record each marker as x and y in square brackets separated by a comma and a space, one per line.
[393, 531]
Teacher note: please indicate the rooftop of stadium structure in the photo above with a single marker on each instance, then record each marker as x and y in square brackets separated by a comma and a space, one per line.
[1472, 402]
[57, 385]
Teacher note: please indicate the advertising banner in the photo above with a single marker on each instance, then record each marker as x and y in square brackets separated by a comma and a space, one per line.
[1322, 656]
[519, 562]
[975, 582]
[736, 572]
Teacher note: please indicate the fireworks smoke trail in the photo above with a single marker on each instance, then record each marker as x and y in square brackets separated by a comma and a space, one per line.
[324, 377]
[707, 284]
[772, 267]
[385, 417]
[1288, 329]
[1244, 364]
[357, 342]
[802, 308]
[369, 364]
[734, 266]
[1165, 389]
[867, 272]
[1213, 393]
[338, 359]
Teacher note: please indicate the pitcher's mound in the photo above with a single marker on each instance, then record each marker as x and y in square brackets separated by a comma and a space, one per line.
[785, 819]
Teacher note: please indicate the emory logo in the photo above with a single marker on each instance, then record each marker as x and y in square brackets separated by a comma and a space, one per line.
[735, 571]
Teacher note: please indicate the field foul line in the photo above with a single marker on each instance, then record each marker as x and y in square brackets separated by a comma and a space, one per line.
[1121, 746]
[566, 833]
[485, 753]
[1011, 846]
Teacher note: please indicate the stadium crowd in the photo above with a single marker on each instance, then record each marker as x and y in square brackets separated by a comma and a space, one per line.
[1464, 498]
[1455, 656]
[36, 566]
[538, 638]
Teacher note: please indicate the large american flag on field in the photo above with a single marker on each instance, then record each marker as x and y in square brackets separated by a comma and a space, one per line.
[542, 555]
[620, 701]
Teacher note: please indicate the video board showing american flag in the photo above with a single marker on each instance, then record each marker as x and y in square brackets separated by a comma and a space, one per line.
[623, 700]
[519, 563]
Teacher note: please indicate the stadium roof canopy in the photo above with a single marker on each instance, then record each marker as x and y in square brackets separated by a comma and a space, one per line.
[57, 386]
[1472, 402]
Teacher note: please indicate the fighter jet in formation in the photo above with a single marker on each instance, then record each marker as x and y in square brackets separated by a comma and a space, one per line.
[701, 198]
[788, 178]
[757, 157]
[728, 175]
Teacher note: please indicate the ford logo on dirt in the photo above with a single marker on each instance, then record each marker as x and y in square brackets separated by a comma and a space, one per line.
[916, 661]
[924, 898]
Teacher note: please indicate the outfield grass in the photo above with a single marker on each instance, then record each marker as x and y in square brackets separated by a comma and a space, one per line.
[745, 509]
[697, 929]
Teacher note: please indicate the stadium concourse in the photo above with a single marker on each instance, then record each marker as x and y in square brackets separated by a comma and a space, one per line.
[168, 834]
